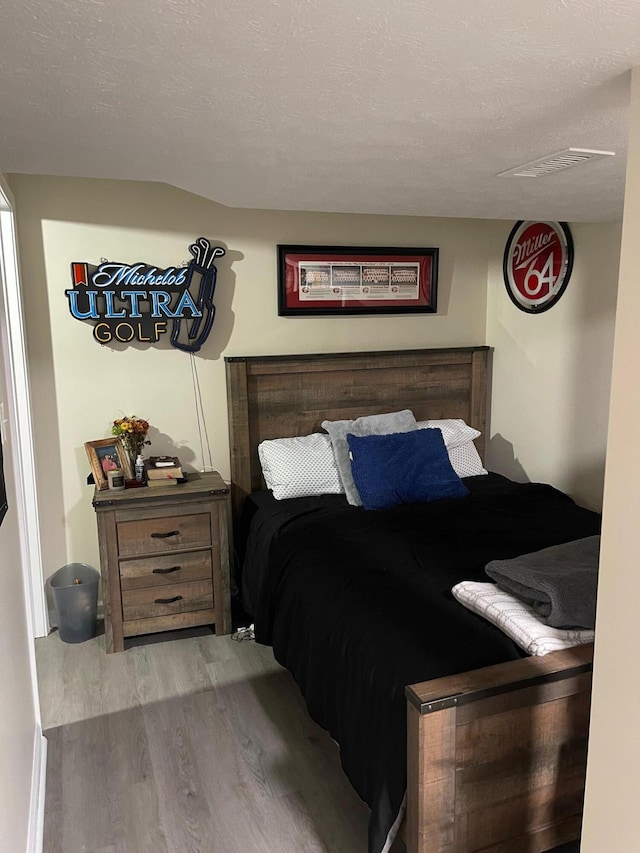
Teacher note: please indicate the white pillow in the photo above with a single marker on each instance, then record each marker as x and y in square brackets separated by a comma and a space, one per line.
[517, 619]
[458, 439]
[300, 466]
[465, 460]
[454, 431]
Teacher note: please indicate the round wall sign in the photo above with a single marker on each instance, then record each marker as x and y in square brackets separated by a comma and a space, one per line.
[538, 260]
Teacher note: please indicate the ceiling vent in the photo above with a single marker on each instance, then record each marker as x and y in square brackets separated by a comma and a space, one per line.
[555, 163]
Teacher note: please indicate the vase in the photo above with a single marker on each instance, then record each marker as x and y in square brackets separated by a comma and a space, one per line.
[133, 451]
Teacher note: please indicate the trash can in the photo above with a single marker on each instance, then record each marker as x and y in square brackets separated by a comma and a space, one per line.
[75, 598]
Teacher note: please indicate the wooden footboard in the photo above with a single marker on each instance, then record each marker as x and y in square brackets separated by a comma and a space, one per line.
[497, 757]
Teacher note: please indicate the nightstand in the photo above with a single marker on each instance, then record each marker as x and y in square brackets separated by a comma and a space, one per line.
[164, 558]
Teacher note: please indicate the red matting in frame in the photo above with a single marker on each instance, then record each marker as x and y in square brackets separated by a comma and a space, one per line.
[327, 280]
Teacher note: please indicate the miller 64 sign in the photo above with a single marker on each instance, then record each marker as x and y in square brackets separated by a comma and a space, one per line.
[537, 264]
[140, 302]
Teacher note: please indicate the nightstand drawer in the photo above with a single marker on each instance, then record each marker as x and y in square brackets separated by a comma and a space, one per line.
[172, 598]
[167, 569]
[153, 535]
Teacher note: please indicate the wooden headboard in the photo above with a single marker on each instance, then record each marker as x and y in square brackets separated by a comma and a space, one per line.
[281, 396]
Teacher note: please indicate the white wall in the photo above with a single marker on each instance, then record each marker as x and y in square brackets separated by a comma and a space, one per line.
[18, 719]
[17, 714]
[79, 386]
[612, 818]
[551, 371]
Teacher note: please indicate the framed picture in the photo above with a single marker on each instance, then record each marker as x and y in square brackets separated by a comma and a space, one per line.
[106, 455]
[318, 281]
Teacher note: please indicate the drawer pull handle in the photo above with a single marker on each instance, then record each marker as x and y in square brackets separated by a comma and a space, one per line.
[166, 571]
[168, 600]
[165, 535]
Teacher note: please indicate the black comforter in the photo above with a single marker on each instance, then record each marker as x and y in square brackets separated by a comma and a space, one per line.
[357, 605]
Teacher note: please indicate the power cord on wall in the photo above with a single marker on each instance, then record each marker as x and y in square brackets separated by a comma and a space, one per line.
[200, 419]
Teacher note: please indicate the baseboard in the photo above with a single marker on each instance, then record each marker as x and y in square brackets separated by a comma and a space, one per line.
[38, 792]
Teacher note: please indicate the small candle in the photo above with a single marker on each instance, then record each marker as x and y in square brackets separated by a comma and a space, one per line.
[115, 479]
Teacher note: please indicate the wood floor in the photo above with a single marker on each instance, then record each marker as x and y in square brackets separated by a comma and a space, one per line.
[193, 745]
[197, 745]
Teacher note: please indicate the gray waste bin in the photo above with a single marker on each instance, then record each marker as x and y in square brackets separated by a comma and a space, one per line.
[75, 597]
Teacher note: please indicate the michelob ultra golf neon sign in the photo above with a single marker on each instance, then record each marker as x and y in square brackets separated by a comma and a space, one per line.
[129, 302]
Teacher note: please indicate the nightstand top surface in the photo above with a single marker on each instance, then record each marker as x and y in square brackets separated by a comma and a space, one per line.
[209, 483]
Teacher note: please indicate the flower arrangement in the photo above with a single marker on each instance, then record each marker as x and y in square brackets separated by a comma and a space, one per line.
[133, 432]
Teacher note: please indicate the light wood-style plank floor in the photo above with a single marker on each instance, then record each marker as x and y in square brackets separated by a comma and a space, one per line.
[194, 745]
[188, 743]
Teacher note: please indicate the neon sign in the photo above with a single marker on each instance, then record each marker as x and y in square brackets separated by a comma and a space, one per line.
[129, 302]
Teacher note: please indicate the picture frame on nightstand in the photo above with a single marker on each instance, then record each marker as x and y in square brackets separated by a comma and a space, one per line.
[107, 454]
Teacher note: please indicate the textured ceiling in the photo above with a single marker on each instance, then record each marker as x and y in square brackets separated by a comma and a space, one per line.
[404, 107]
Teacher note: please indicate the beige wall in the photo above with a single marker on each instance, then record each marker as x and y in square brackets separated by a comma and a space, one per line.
[80, 386]
[17, 711]
[613, 779]
[551, 371]
[17, 715]
[555, 366]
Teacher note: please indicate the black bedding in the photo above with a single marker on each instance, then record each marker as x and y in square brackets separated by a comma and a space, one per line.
[357, 604]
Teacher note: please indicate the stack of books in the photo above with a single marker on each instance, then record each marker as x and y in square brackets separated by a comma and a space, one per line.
[163, 471]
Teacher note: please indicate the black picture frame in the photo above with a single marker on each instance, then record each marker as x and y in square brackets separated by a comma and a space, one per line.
[330, 281]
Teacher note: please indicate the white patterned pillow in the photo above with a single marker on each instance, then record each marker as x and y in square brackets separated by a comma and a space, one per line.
[517, 620]
[465, 460]
[300, 466]
[455, 431]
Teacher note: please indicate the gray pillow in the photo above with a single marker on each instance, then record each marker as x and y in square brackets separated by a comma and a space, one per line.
[403, 421]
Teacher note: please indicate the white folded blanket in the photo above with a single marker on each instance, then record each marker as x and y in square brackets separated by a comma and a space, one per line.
[517, 619]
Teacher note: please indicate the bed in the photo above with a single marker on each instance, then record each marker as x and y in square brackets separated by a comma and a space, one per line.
[495, 756]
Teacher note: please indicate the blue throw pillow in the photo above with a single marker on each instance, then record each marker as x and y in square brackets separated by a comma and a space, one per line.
[405, 467]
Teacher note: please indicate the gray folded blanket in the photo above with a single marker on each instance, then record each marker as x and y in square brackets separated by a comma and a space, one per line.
[560, 582]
